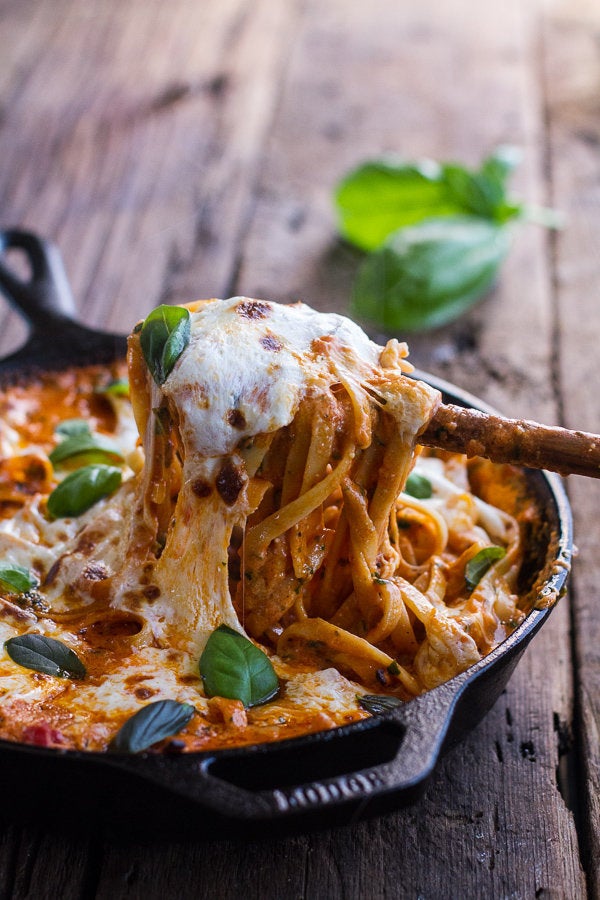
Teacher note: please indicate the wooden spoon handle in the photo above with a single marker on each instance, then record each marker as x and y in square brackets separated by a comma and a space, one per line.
[513, 441]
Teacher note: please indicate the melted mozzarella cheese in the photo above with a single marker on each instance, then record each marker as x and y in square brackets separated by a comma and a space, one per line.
[145, 675]
[325, 691]
[246, 367]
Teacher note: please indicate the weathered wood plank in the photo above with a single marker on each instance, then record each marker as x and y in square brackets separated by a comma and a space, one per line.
[572, 70]
[132, 139]
[42, 862]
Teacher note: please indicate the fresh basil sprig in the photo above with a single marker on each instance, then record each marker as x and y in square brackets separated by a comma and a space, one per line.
[437, 234]
[81, 489]
[17, 579]
[232, 666]
[480, 563]
[70, 427]
[150, 724]
[45, 654]
[377, 704]
[164, 336]
[383, 195]
[425, 275]
[418, 486]
[94, 447]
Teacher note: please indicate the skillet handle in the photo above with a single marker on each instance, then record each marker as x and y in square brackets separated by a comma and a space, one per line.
[328, 778]
[46, 294]
[45, 301]
[411, 737]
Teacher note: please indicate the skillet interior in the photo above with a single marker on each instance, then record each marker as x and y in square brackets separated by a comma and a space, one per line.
[318, 780]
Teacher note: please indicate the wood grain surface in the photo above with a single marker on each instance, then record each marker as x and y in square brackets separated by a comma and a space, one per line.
[188, 149]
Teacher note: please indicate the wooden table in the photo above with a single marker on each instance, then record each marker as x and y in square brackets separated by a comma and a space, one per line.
[186, 149]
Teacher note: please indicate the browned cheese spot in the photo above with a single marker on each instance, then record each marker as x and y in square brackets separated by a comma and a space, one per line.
[143, 693]
[270, 342]
[201, 488]
[152, 592]
[188, 679]
[86, 544]
[136, 679]
[230, 482]
[35, 471]
[253, 309]
[236, 418]
[95, 572]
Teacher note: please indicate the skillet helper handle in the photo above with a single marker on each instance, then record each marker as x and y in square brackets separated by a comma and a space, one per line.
[45, 294]
[325, 779]
[415, 735]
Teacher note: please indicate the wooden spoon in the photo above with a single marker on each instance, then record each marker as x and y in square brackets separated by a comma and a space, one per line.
[514, 441]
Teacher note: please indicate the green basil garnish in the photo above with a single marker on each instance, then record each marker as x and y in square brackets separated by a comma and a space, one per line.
[418, 486]
[17, 579]
[69, 427]
[382, 195]
[95, 447]
[164, 336]
[377, 704]
[481, 562]
[118, 387]
[232, 666]
[151, 724]
[427, 264]
[45, 654]
[426, 274]
[81, 489]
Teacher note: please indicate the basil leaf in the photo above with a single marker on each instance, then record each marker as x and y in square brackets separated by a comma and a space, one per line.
[17, 579]
[479, 193]
[381, 196]
[501, 163]
[427, 274]
[151, 724]
[96, 447]
[81, 489]
[483, 193]
[164, 336]
[480, 563]
[45, 654]
[424, 272]
[118, 387]
[232, 666]
[377, 704]
[70, 427]
[418, 486]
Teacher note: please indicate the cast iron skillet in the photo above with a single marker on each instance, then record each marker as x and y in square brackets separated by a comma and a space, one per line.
[332, 777]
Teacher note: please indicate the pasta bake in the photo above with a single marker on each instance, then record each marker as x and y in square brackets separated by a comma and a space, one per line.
[238, 539]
